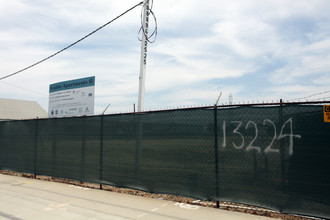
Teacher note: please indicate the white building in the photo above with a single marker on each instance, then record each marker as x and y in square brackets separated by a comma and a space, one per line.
[11, 109]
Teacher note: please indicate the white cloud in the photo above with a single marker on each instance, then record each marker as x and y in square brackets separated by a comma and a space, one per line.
[199, 44]
[323, 81]
[249, 38]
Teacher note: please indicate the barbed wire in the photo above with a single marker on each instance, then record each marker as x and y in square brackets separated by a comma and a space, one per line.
[315, 94]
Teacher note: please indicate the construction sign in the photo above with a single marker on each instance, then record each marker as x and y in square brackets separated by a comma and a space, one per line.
[326, 112]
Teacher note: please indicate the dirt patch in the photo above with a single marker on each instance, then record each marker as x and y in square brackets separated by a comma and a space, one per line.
[223, 205]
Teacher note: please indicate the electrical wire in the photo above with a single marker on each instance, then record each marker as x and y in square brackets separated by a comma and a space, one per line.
[76, 42]
[321, 93]
[28, 90]
[322, 98]
[145, 31]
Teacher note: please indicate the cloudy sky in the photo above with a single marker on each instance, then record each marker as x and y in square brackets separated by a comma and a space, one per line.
[256, 50]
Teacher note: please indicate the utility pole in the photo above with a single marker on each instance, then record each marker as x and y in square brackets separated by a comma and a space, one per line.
[143, 62]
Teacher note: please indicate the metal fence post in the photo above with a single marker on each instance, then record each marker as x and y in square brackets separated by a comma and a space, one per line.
[216, 159]
[1, 152]
[282, 150]
[139, 134]
[54, 146]
[83, 150]
[35, 148]
[101, 152]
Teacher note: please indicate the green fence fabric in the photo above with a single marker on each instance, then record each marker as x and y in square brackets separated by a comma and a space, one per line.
[274, 157]
[17, 140]
[283, 163]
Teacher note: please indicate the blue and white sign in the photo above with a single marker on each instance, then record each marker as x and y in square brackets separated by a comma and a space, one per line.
[72, 98]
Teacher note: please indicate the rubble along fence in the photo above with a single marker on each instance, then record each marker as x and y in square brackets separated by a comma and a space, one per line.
[273, 156]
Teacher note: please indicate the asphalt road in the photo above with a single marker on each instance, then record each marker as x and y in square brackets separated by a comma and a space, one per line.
[23, 198]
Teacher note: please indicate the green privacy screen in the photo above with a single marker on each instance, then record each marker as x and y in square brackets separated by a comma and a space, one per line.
[275, 157]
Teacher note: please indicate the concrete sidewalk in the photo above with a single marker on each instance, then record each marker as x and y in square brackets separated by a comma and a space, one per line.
[23, 198]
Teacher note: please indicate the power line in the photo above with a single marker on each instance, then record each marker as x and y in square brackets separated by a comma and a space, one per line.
[81, 39]
[322, 98]
[9, 84]
[155, 31]
[320, 93]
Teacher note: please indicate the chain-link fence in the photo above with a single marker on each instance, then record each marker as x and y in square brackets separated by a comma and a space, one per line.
[274, 156]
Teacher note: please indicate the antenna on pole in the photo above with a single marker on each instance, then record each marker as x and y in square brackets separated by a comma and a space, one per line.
[143, 62]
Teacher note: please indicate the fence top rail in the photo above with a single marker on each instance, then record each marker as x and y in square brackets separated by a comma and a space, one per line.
[257, 104]
[237, 105]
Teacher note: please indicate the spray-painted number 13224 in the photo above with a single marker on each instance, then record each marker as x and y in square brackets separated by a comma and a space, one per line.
[251, 146]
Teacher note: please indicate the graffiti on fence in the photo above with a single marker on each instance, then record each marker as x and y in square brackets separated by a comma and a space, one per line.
[251, 146]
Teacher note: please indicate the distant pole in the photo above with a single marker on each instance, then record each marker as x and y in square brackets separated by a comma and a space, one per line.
[230, 99]
[143, 63]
